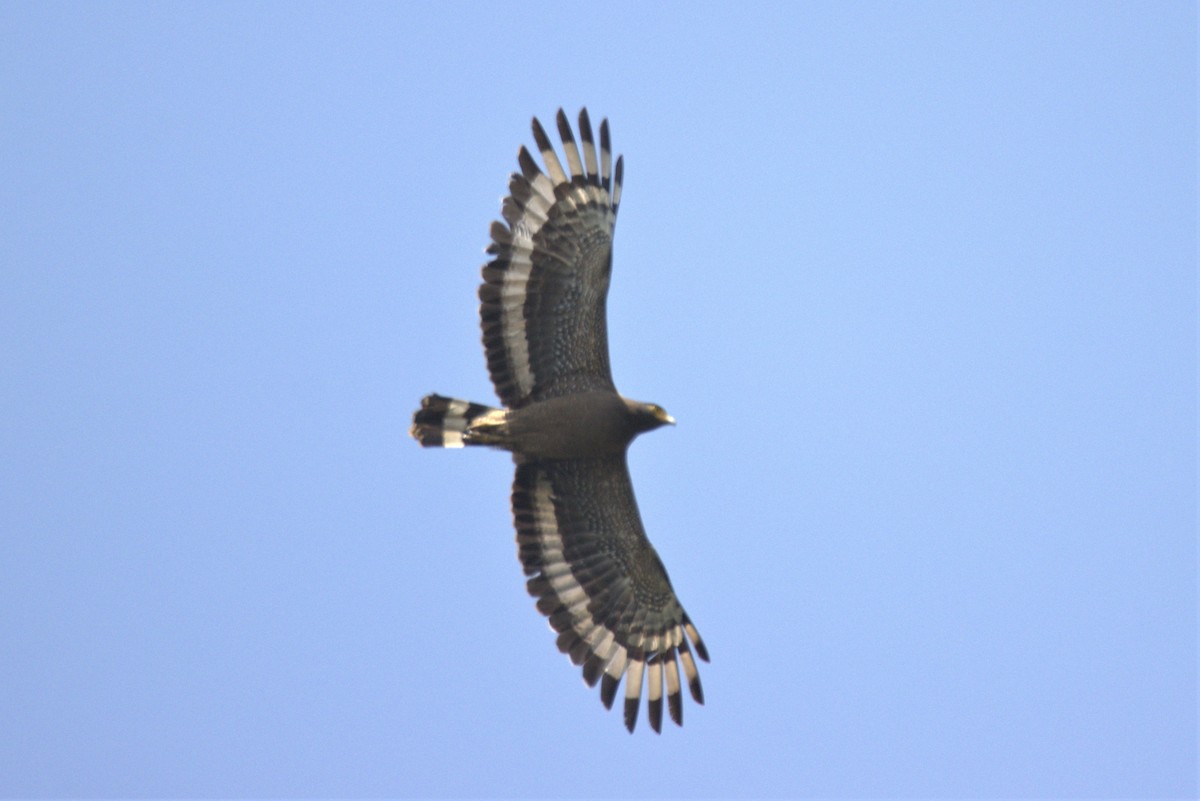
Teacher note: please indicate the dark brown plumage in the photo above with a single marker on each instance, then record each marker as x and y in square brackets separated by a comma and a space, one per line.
[579, 534]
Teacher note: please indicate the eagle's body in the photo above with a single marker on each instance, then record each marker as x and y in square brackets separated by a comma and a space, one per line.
[585, 425]
[579, 533]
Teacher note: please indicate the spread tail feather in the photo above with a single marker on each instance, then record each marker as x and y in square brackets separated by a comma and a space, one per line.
[443, 422]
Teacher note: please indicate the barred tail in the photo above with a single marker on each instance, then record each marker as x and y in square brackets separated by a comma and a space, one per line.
[443, 422]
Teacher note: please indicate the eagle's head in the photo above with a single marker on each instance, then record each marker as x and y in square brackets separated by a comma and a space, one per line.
[648, 416]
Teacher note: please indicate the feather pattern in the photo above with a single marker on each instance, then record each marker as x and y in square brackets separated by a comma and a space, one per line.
[542, 300]
[596, 577]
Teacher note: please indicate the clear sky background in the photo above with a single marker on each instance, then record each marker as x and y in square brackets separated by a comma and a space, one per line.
[918, 281]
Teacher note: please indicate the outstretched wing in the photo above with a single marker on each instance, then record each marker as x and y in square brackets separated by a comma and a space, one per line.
[543, 294]
[599, 580]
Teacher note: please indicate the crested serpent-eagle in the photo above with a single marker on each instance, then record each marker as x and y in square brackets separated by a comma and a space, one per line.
[579, 535]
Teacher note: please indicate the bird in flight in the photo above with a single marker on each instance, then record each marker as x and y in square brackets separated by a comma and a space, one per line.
[580, 538]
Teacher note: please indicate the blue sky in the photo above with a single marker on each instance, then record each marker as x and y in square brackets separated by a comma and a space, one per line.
[917, 280]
